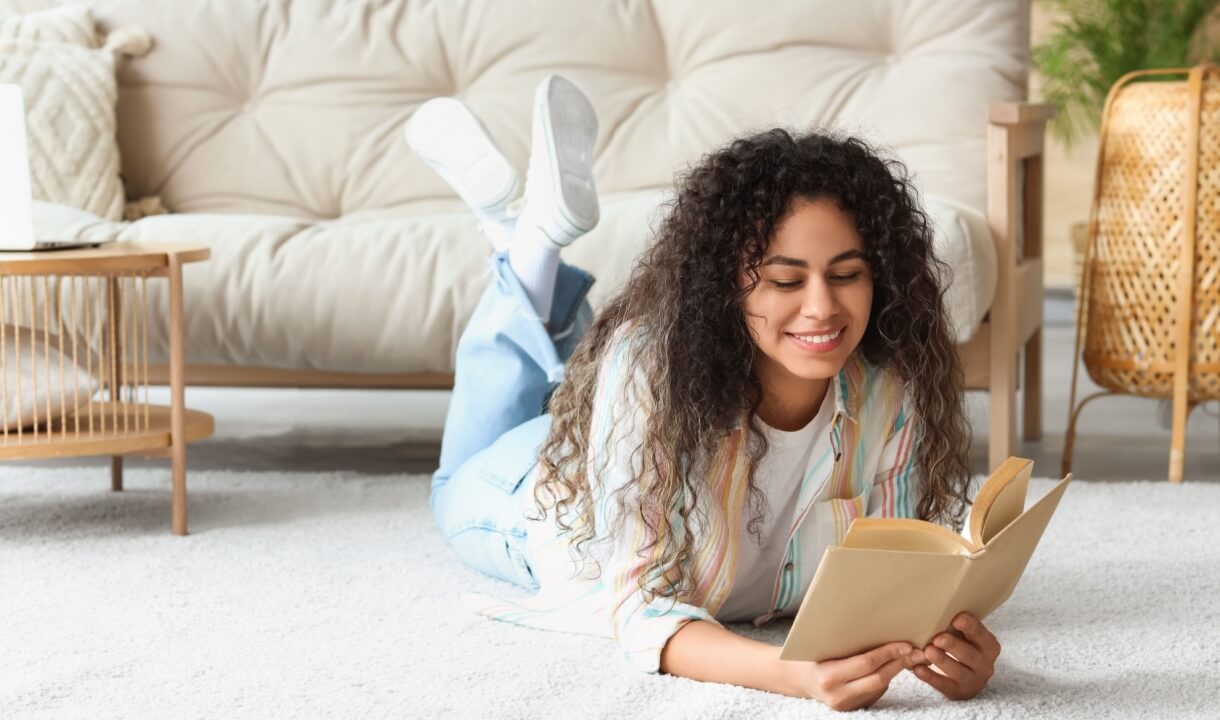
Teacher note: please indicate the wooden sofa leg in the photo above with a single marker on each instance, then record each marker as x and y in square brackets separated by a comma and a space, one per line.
[1003, 426]
[1032, 400]
[1002, 396]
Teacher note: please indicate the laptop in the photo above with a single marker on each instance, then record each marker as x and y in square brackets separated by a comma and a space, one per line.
[16, 199]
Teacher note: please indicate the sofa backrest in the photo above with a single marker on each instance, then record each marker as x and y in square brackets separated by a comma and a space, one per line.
[296, 107]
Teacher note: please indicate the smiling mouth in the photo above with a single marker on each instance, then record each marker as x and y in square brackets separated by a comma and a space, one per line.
[820, 339]
[820, 343]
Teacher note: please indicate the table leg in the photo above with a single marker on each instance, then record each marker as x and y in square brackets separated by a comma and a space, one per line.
[115, 329]
[1032, 395]
[177, 394]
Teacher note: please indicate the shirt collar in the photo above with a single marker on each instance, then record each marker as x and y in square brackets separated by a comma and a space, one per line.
[849, 386]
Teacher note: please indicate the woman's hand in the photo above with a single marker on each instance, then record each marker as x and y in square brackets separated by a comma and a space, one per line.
[965, 656]
[853, 682]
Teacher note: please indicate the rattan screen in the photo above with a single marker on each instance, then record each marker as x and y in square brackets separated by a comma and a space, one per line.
[1139, 237]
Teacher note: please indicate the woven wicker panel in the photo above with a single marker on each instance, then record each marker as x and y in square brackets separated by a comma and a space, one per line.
[1138, 244]
[1205, 377]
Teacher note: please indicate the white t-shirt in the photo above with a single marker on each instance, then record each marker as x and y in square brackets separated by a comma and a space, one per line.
[778, 476]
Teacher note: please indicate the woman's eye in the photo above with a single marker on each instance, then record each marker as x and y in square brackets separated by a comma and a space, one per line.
[845, 278]
[782, 285]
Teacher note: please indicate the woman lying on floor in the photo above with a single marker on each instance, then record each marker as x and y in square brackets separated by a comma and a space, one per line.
[778, 363]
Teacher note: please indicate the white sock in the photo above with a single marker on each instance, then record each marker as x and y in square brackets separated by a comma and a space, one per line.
[499, 228]
[534, 259]
[496, 233]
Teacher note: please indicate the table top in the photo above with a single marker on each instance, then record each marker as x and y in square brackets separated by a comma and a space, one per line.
[110, 257]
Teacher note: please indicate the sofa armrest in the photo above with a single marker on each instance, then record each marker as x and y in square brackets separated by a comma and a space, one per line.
[1015, 132]
[1019, 113]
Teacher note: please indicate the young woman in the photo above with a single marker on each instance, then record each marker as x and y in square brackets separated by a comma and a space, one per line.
[778, 363]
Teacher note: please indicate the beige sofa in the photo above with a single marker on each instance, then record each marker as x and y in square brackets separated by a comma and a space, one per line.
[271, 130]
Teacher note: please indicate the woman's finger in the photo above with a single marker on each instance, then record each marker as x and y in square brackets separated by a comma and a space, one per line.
[977, 633]
[945, 686]
[865, 664]
[952, 668]
[877, 682]
[965, 651]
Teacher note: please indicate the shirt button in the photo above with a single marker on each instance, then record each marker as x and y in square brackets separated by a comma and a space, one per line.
[788, 567]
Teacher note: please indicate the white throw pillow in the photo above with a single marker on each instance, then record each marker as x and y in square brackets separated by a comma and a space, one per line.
[69, 24]
[70, 95]
[33, 380]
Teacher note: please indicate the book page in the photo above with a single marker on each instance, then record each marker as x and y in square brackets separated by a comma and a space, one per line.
[999, 501]
[905, 534]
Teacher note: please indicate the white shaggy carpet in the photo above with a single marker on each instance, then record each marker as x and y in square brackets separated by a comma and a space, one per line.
[329, 595]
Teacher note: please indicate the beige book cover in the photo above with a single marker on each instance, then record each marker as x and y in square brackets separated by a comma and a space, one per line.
[899, 579]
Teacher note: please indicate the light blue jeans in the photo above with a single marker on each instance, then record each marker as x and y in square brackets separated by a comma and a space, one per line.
[507, 364]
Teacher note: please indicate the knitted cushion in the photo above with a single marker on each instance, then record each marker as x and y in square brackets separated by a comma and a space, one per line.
[70, 96]
[70, 24]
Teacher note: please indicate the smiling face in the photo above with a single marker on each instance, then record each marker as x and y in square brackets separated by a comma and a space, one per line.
[810, 308]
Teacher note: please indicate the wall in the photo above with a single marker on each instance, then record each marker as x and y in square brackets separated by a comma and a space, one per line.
[1068, 176]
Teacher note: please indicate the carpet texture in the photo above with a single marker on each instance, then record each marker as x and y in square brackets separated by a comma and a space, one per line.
[330, 595]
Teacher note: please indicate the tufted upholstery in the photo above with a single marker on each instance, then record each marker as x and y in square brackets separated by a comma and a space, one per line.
[272, 108]
[294, 108]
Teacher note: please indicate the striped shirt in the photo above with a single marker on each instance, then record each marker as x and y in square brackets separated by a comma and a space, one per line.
[864, 465]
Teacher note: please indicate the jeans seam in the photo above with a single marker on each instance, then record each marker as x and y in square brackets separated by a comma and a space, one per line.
[518, 558]
[495, 478]
[491, 526]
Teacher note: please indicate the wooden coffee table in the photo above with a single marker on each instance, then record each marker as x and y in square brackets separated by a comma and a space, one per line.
[83, 316]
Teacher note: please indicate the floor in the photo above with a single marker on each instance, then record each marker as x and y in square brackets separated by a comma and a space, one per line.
[399, 431]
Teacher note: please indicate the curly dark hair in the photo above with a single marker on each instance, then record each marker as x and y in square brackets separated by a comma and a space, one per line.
[699, 361]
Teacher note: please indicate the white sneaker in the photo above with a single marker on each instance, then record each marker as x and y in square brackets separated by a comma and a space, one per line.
[447, 136]
[560, 194]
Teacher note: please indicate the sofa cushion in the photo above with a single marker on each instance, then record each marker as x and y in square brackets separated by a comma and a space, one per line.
[54, 221]
[237, 110]
[392, 295]
[963, 241]
[379, 295]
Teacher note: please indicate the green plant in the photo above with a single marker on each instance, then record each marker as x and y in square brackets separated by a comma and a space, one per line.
[1099, 41]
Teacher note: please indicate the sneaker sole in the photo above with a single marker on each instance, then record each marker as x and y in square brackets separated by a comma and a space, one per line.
[454, 143]
[569, 125]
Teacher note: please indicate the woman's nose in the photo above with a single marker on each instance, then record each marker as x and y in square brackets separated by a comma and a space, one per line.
[819, 301]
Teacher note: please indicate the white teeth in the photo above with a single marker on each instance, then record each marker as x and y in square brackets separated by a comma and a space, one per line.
[818, 339]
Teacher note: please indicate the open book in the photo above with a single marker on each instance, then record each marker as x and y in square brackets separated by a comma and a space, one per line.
[899, 579]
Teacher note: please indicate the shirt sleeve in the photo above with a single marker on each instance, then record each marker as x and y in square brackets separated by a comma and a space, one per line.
[895, 486]
[623, 540]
